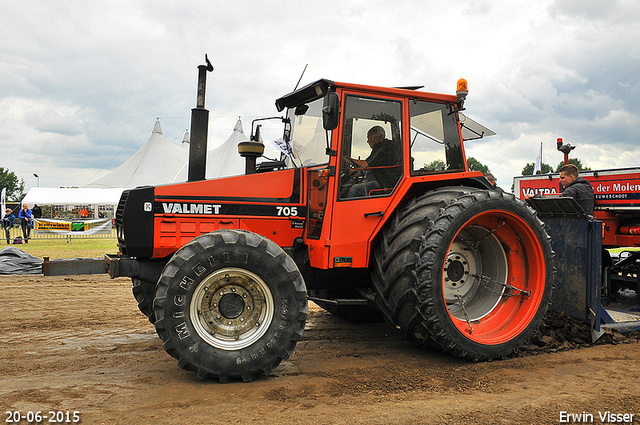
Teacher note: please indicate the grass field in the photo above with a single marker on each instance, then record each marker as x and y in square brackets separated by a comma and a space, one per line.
[97, 248]
[60, 248]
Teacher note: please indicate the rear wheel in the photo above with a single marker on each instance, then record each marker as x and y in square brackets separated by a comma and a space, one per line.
[230, 304]
[144, 293]
[467, 270]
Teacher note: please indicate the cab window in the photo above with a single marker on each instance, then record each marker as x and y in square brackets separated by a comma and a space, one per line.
[435, 139]
[307, 138]
[371, 154]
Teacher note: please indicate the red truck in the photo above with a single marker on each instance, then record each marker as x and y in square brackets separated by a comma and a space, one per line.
[617, 193]
[617, 206]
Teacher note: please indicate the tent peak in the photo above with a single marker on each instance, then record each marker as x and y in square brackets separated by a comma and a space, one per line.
[185, 139]
[156, 127]
[238, 126]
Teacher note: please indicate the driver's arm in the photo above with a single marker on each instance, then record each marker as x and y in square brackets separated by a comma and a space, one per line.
[360, 163]
[355, 163]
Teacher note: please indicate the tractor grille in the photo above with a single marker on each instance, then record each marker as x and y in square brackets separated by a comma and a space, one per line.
[134, 223]
[119, 222]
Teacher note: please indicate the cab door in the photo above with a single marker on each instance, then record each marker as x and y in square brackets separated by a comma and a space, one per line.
[364, 191]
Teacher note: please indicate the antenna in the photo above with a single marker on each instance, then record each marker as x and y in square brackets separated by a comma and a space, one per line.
[300, 79]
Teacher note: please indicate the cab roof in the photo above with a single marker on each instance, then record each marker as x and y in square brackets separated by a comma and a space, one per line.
[320, 88]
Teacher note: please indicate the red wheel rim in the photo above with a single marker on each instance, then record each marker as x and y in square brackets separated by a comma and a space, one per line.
[506, 263]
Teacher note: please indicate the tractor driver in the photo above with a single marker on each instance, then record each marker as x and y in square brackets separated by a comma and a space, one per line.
[382, 167]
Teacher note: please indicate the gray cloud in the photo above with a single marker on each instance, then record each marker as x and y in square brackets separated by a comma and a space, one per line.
[82, 84]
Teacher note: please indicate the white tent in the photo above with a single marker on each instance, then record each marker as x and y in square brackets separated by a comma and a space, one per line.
[158, 161]
[223, 160]
[72, 196]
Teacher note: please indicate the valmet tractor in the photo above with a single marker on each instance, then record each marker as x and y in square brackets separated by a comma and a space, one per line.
[224, 268]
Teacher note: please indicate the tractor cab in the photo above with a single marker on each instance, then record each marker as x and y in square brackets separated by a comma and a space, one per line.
[321, 108]
[363, 149]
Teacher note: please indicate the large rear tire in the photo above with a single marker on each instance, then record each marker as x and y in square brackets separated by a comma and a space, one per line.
[230, 304]
[144, 293]
[467, 270]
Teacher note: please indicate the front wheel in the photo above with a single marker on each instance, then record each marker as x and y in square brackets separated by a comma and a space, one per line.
[467, 270]
[230, 304]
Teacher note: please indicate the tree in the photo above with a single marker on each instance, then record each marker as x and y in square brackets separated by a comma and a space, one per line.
[475, 165]
[435, 165]
[528, 169]
[574, 161]
[9, 180]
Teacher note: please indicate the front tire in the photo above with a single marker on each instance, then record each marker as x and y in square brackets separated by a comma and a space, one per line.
[230, 304]
[467, 270]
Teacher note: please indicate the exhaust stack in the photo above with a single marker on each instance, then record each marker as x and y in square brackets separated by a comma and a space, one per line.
[199, 128]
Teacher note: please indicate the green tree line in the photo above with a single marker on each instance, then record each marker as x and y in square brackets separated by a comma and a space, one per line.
[547, 169]
[14, 186]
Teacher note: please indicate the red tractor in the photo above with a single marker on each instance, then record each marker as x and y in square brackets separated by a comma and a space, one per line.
[224, 268]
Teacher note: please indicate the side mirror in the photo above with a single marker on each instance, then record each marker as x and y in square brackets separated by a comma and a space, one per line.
[301, 109]
[331, 111]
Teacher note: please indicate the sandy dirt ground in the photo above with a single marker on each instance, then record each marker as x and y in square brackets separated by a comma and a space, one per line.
[79, 344]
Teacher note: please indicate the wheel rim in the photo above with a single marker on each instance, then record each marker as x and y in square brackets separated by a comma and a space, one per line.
[475, 252]
[493, 277]
[232, 308]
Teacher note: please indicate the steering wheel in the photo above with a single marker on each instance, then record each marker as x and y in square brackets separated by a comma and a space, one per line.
[351, 174]
[350, 162]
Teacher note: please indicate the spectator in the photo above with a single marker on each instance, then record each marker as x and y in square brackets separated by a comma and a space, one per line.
[492, 181]
[577, 187]
[84, 213]
[26, 219]
[37, 211]
[7, 223]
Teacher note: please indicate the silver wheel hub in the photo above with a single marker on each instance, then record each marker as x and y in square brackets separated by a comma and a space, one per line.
[474, 274]
[458, 273]
[231, 308]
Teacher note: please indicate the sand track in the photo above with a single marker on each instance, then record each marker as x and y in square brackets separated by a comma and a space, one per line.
[80, 344]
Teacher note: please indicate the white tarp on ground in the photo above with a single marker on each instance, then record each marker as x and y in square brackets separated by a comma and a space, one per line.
[16, 261]
[72, 196]
[158, 161]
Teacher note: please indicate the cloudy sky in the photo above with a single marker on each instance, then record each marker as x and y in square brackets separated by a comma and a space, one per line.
[81, 83]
